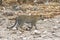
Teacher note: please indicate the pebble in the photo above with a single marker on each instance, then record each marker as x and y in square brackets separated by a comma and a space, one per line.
[24, 38]
[37, 32]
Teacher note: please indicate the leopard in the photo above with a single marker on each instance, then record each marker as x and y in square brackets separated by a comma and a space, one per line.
[29, 19]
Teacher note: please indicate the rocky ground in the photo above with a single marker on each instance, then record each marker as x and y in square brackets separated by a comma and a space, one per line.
[48, 29]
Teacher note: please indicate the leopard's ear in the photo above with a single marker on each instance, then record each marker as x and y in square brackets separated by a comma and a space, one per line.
[0, 2]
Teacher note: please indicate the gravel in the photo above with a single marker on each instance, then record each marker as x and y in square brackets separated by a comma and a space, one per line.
[48, 29]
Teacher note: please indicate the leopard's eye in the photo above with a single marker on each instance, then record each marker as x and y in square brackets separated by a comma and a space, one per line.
[40, 15]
